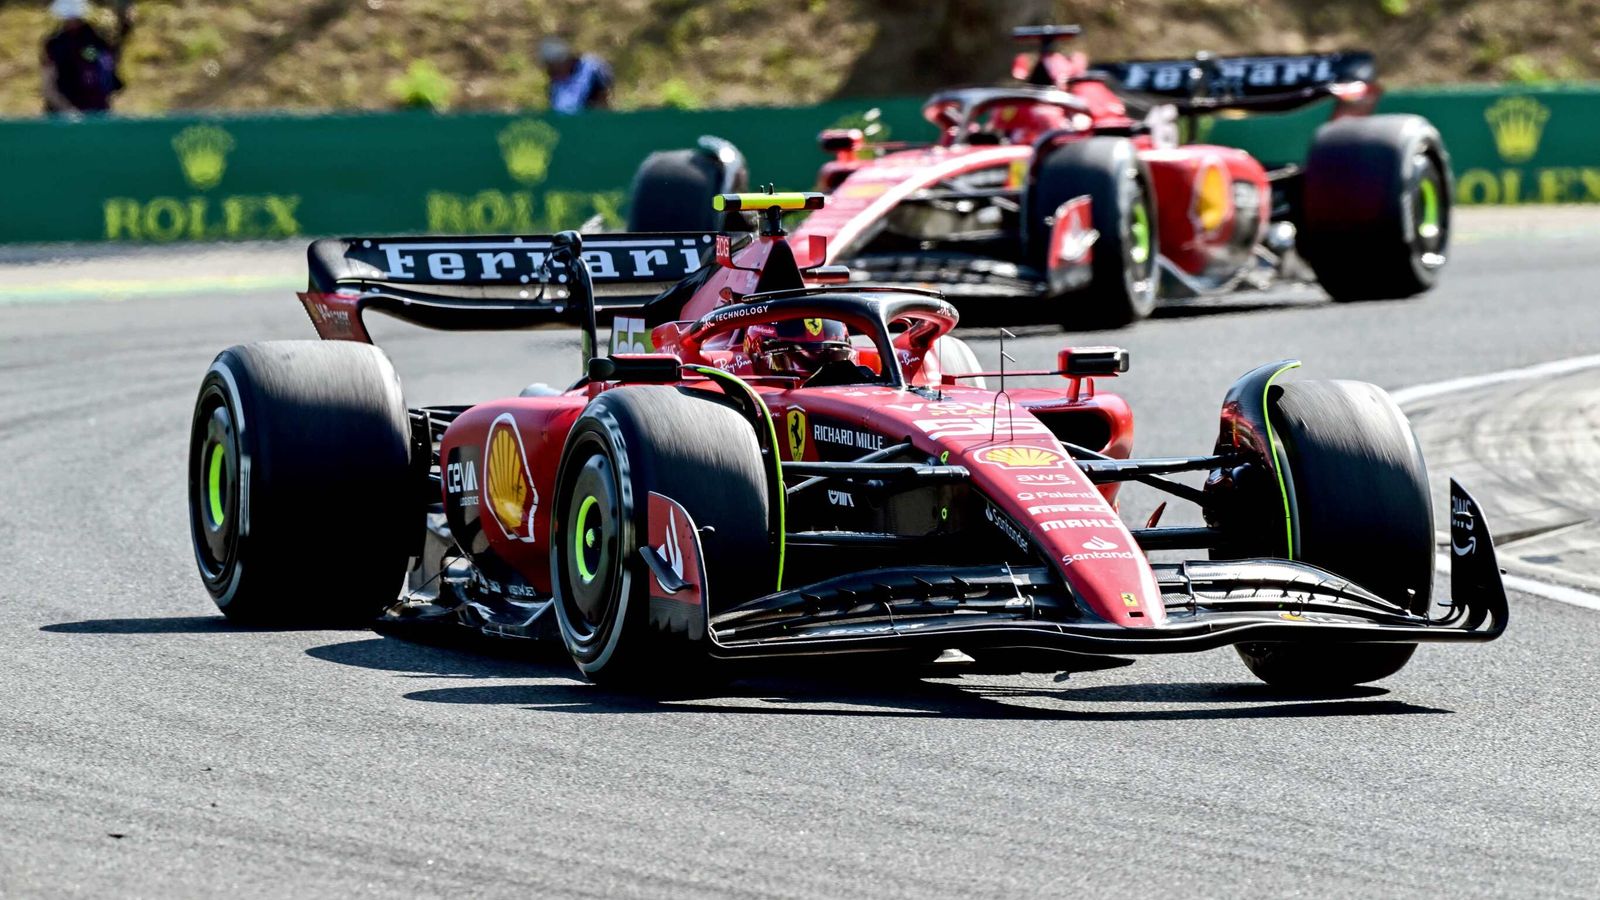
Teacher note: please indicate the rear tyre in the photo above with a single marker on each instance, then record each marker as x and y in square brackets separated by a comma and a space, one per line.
[1360, 493]
[630, 442]
[1376, 207]
[1122, 287]
[301, 502]
[673, 190]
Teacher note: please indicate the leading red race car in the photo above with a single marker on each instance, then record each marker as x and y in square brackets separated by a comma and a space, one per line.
[797, 471]
[1074, 191]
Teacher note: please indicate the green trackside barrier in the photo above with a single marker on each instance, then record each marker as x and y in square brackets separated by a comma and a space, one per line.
[264, 177]
[1507, 145]
[256, 177]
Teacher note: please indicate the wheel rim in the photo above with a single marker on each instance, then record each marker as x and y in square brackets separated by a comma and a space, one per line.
[215, 487]
[1139, 245]
[1430, 214]
[591, 562]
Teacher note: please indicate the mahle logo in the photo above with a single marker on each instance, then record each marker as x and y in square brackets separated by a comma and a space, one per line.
[203, 153]
[526, 147]
[1518, 124]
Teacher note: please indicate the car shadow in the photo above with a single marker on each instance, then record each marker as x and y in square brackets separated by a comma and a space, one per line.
[172, 625]
[548, 683]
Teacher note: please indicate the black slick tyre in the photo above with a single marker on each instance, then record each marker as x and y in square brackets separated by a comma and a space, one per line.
[302, 504]
[673, 190]
[1362, 508]
[628, 443]
[1376, 207]
[1122, 287]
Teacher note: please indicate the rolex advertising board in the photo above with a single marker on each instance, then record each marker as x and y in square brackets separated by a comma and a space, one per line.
[1507, 145]
[269, 177]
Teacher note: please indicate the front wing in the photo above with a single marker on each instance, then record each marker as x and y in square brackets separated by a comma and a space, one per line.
[1209, 604]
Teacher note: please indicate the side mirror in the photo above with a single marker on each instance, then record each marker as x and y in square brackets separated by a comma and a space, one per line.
[1092, 362]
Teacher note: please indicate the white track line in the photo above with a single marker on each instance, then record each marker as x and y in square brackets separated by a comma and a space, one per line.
[1408, 395]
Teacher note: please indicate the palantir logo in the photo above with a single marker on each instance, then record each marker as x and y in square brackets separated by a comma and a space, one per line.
[1518, 125]
[203, 153]
[526, 147]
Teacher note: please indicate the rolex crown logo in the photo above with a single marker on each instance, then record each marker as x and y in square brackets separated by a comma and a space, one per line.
[526, 146]
[1518, 124]
[203, 153]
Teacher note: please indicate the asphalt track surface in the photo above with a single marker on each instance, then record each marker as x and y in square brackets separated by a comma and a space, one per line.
[151, 750]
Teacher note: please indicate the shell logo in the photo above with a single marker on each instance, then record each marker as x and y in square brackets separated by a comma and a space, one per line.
[1015, 457]
[1212, 202]
[508, 486]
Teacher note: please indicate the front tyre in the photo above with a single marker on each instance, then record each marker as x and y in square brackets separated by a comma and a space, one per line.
[685, 446]
[1359, 490]
[1376, 222]
[1122, 286]
[301, 501]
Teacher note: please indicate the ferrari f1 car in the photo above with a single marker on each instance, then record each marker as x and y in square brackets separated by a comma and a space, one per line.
[798, 471]
[1074, 191]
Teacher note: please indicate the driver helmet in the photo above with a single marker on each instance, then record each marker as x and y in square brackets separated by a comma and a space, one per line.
[1023, 124]
[797, 347]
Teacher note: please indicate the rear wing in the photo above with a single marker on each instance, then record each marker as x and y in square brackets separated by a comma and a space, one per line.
[487, 282]
[1245, 82]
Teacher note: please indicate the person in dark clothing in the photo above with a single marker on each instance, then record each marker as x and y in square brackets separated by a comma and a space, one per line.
[577, 82]
[79, 66]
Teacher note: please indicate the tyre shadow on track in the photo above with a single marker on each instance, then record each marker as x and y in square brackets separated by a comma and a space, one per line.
[901, 695]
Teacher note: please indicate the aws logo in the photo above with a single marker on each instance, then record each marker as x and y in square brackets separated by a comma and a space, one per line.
[1517, 124]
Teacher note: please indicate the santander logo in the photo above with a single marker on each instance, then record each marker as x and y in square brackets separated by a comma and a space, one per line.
[1098, 543]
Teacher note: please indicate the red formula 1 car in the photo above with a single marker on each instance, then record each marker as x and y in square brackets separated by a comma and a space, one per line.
[1074, 191]
[797, 471]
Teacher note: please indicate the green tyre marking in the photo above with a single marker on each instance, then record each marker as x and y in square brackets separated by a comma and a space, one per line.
[1272, 443]
[1429, 226]
[214, 486]
[777, 454]
[1139, 230]
[581, 535]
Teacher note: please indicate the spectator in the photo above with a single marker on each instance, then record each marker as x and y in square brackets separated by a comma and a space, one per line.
[577, 82]
[79, 66]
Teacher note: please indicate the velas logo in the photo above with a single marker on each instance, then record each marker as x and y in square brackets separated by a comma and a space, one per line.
[795, 424]
[526, 147]
[508, 487]
[1517, 124]
[1021, 457]
[203, 153]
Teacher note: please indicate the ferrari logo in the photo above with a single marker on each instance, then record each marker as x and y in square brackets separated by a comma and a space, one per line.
[796, 422]
[813, 327]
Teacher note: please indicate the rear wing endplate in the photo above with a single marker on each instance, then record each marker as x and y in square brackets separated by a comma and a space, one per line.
[486, 282]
